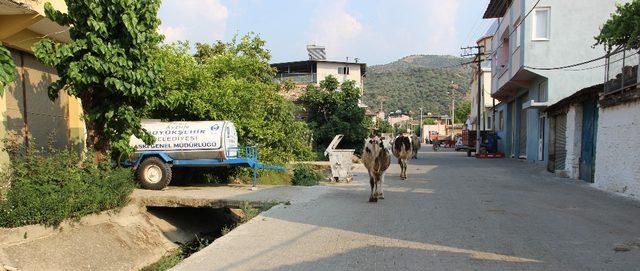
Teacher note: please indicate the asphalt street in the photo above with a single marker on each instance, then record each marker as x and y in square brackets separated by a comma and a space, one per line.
[452, 213]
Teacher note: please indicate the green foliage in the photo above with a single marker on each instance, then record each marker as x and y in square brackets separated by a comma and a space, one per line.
[287, 85]
[330, 83]
[233, 82]
[48, 186]
[463, 108]
[205, 51]
[305, 175]
[265, 177]
[332, 112]
[429, 121]
[167, 262]
[385, 127]
[7, 68]
[107, 65]
[178, 255]
[416, 81]
[623, 28]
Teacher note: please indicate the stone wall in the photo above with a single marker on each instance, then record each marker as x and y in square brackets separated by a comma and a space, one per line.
[617, 158]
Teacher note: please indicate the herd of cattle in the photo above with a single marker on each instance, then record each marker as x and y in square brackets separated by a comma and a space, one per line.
[376, 157]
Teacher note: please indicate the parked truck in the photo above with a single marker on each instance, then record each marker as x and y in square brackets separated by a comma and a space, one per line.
[201, 144]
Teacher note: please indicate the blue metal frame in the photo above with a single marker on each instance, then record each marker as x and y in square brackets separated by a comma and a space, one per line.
[236, 156]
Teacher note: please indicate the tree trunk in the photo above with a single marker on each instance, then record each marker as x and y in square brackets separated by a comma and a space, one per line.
[97, 142]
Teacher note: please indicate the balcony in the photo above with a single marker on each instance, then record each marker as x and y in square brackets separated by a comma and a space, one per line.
[621, 71]
[297, 78]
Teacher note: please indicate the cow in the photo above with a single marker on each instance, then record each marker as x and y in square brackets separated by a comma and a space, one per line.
[415, 145]
[402, 151]
[376, 158]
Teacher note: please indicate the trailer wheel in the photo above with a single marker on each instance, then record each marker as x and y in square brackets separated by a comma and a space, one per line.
[153, 173]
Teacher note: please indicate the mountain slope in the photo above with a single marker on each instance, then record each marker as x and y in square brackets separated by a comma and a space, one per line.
[416, 81]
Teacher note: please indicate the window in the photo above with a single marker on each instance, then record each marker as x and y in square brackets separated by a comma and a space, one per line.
[501, 120]
[343, 70]
[541, 23]
[542, 91]
[517, 34]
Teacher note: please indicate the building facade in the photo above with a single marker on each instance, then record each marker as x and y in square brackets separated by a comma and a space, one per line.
[29, 117]
[482, 78]
[312, 71]
[528, 40]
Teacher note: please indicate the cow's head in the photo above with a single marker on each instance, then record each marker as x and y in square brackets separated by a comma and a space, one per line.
[375, 144]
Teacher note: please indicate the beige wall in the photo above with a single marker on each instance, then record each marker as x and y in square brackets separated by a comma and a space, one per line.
[328, 68]
[59, 122]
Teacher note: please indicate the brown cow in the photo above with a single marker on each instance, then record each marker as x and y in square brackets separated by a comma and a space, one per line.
[376, 159]
[403, 151]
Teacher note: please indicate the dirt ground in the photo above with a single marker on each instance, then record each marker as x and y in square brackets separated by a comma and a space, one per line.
[125, 240]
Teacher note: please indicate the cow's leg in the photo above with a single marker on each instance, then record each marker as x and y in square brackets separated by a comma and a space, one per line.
[400, 164]
[380, 184]
[372, 197]
[404, 169]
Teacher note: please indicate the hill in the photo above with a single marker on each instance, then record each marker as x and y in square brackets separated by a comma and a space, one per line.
[417, 81]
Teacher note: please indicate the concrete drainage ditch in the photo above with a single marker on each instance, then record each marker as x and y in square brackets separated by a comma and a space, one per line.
[134, 238]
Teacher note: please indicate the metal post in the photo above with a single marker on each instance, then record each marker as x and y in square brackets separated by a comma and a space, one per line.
[453, 113]
[421, 132]
[255, 178]
[478, 59]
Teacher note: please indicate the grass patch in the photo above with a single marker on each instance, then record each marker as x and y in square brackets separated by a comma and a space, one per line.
[306, 175]
[178, 255]
[266, 177]
[49, 186]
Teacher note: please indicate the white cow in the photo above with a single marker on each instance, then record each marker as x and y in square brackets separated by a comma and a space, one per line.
[376, 158]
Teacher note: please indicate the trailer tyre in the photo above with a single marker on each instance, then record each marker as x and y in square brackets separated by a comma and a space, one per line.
[153, 173]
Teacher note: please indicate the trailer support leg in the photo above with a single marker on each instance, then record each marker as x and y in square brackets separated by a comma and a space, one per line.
[255, 178]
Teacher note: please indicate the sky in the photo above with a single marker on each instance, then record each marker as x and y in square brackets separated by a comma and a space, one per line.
[375, 31]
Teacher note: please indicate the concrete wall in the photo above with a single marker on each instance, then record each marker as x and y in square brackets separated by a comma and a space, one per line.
[573, 141]
[617, 159]
[327, 68]
[574, 23]
[25, 106]
[28, 108]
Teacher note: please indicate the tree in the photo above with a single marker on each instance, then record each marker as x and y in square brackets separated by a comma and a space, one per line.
[623, 28]
[385, 127]
[234, 83]
[429, 121]
[462, 111]
[330, 83]
[7, 68]
[107, 66]
[205, 51]
[332, 112]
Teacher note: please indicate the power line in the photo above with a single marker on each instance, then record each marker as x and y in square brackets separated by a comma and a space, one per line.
[602, 65]
[619, 49]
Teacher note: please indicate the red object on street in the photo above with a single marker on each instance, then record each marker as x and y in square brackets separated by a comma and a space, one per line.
[490, 155]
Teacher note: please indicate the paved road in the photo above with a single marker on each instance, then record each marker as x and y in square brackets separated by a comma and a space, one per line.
[453, 213]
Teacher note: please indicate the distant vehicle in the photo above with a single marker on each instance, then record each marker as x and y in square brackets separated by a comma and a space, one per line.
[189, 144]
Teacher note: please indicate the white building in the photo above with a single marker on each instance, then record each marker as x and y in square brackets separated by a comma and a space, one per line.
[533, 35]
[317, 68]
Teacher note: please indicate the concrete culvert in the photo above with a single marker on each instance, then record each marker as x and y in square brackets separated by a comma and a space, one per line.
[184, 224]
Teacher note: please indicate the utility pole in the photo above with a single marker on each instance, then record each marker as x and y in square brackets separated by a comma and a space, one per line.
[467, 52]
[453, 87]
[421, 132]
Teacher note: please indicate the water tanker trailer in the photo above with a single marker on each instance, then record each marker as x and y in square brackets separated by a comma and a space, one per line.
[202, 144]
